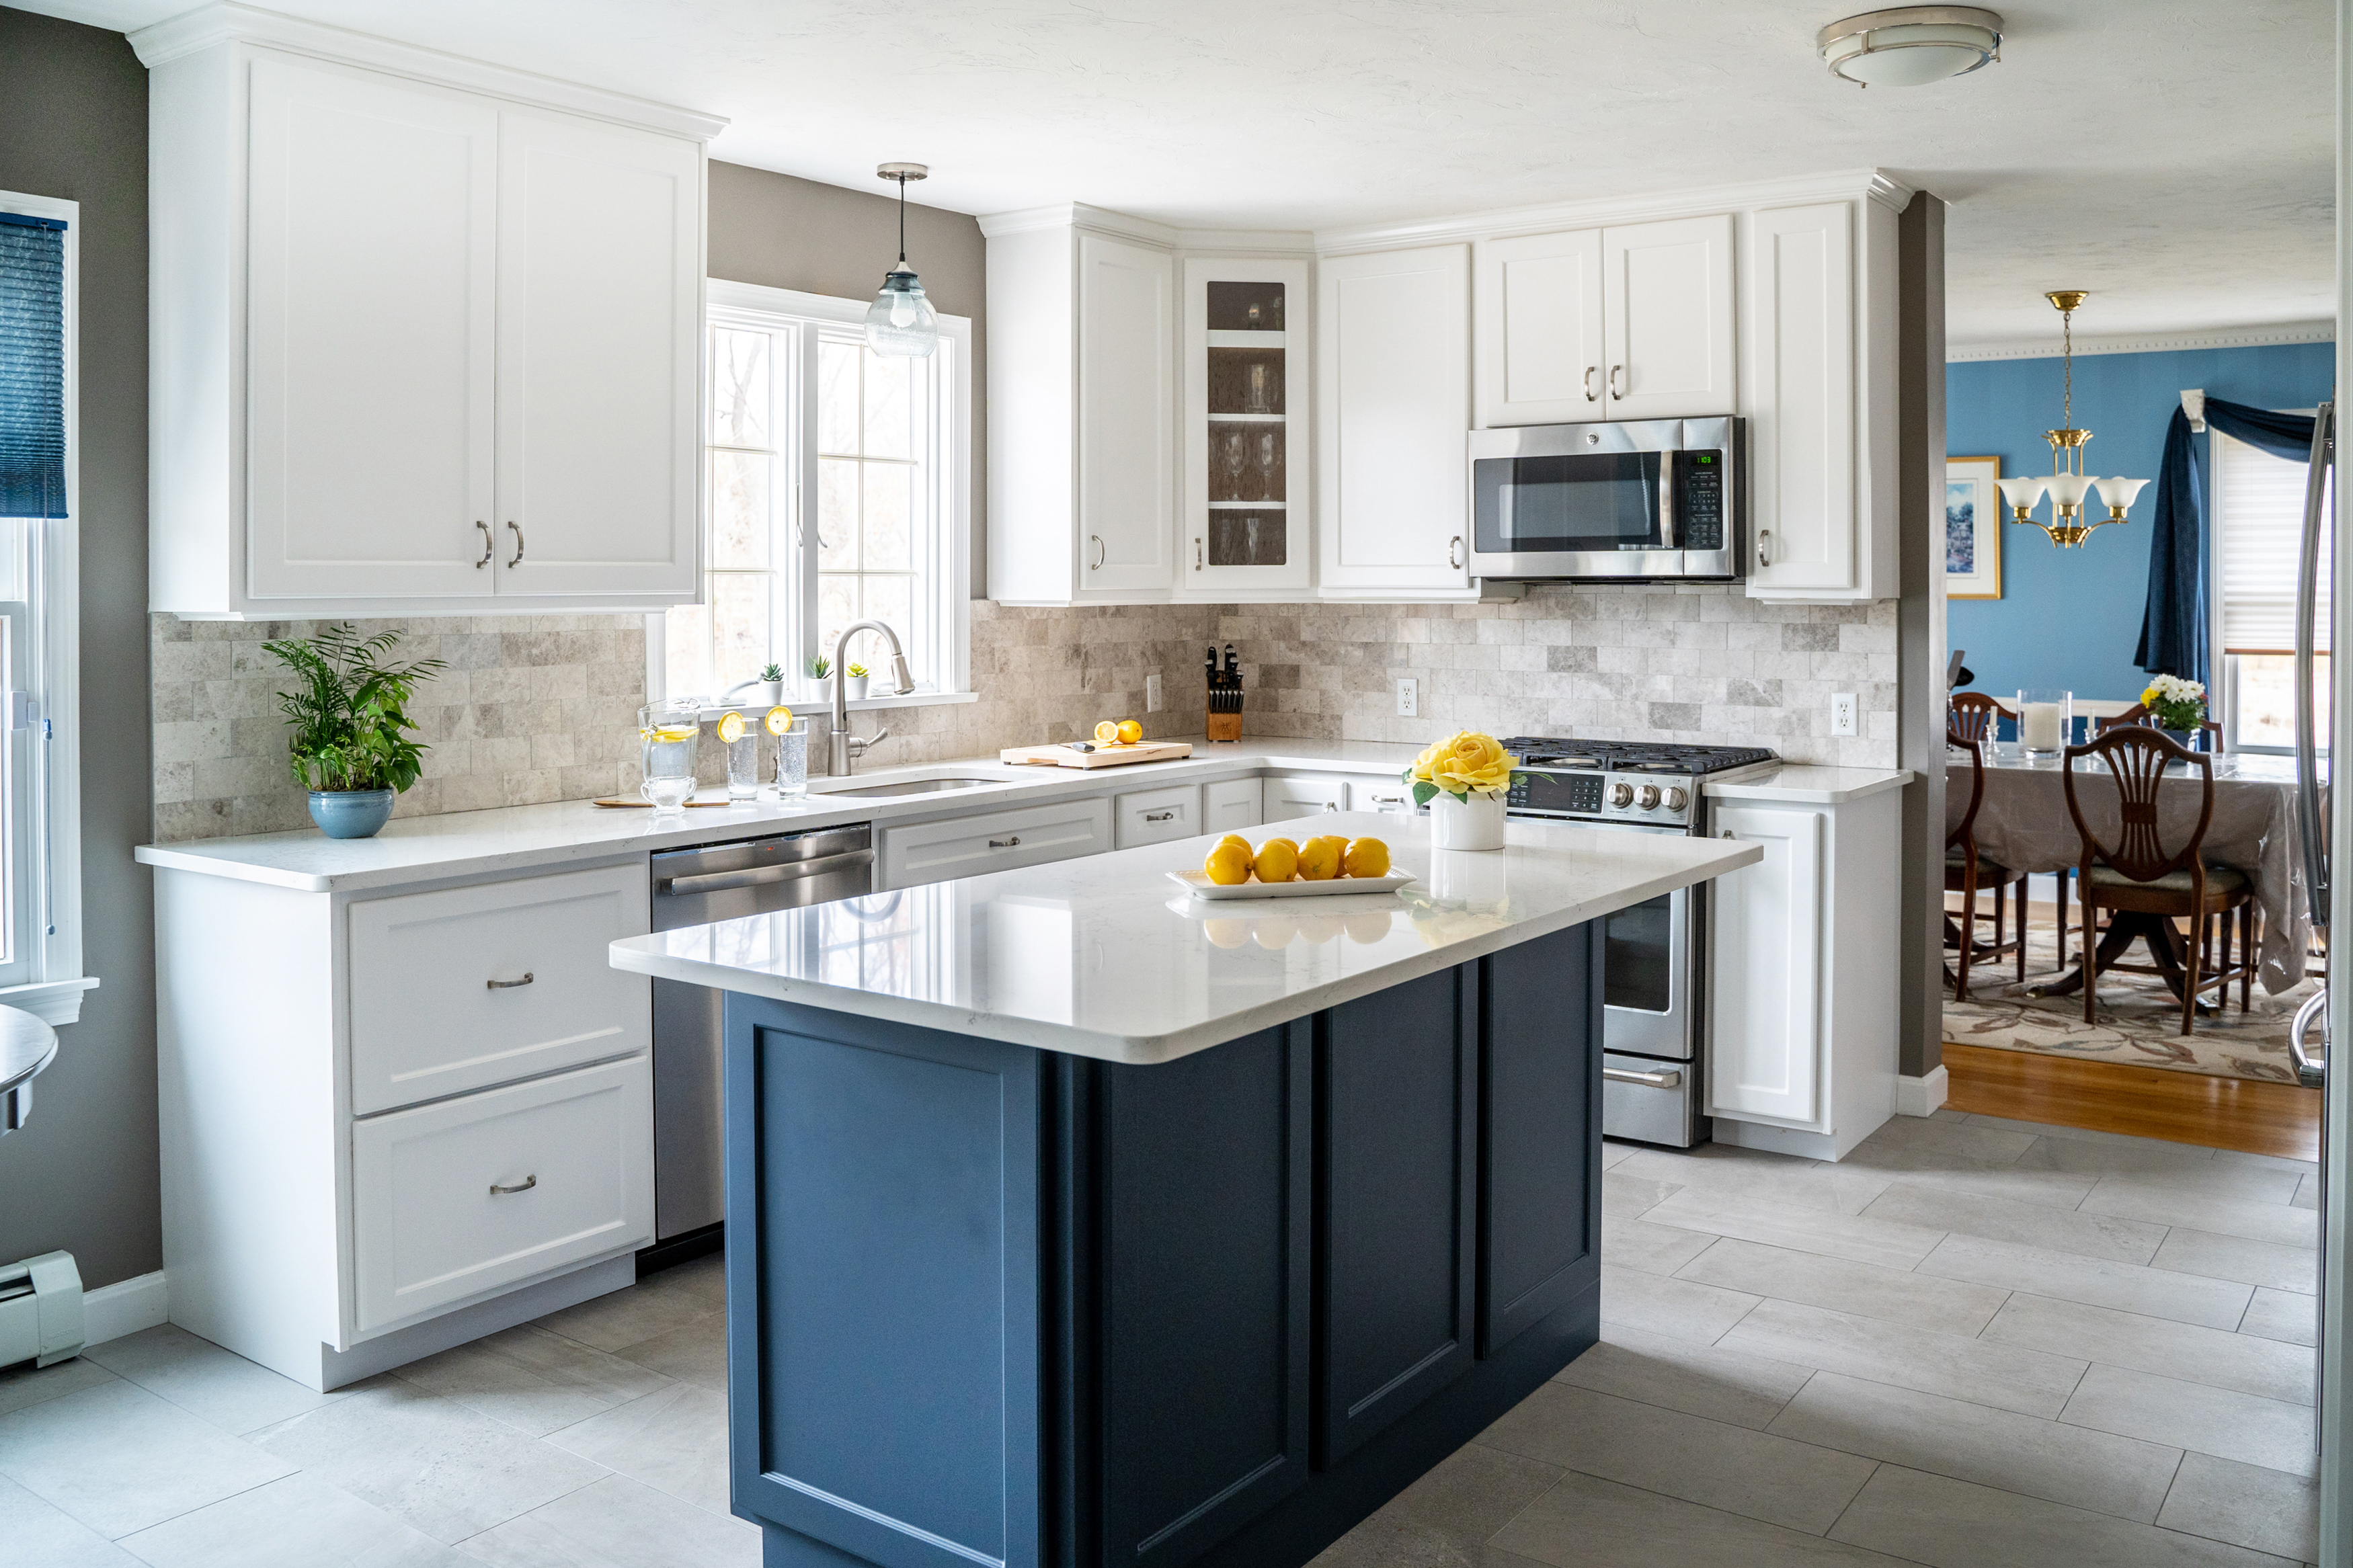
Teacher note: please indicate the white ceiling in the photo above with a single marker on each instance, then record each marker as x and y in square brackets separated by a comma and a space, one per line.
[2172, 156]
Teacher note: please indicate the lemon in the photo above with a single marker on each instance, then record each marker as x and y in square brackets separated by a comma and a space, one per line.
[1130, 733]
[1107, 732]
[673, 735]
[1227, 864]
[1278, 860]
[731, 728]
[778, 720]
[1366, 857]
[1239, 842]
[1319, 857]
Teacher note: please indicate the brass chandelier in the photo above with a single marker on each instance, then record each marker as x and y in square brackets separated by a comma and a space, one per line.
[2068, 485]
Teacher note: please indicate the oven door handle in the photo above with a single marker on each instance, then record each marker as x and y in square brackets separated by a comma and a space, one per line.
[1666, 1078]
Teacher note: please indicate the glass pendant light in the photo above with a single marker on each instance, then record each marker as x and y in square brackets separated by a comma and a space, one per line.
[901, 321]
[2069, 487]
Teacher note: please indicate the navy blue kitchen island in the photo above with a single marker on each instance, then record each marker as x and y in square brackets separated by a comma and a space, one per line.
[1036, 1291]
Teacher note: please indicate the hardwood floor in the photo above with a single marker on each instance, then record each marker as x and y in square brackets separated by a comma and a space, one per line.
[2146, 1102]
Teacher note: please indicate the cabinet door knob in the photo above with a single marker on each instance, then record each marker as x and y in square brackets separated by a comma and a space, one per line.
[489, 544]
[1615, 371]
[510, 985]
[522, 1186]
[1454, 552]
[517, 530]
[1096, 564]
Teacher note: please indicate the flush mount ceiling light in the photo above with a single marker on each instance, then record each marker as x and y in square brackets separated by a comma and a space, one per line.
[901, 321]
[1911, 46]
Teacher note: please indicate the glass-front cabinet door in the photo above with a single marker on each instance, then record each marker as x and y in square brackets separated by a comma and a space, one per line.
[1245, 401]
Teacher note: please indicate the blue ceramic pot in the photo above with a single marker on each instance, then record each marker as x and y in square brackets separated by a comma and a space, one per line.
[351, 812]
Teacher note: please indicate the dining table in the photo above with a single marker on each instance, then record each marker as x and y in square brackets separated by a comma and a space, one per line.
[2023, 825]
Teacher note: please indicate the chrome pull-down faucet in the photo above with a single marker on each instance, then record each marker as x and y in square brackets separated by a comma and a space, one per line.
[845, 746]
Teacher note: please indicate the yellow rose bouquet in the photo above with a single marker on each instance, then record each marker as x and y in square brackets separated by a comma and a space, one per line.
[1464, 763]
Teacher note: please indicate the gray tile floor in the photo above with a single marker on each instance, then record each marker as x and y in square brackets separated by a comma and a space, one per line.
[1972, 1344]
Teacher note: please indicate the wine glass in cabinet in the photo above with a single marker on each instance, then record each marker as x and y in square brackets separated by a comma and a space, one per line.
[1245, 509]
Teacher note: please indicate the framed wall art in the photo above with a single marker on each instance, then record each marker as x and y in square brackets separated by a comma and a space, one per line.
[1972, 528]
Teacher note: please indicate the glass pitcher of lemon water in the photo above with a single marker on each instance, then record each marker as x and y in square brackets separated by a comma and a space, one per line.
[667, 732]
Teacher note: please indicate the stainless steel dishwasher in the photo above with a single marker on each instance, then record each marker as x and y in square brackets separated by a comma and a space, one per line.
[696, 887]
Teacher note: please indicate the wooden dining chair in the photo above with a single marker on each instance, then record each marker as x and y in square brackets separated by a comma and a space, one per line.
[2147, 889]
[1972, 715]
[2138, 713]
[1966, 871]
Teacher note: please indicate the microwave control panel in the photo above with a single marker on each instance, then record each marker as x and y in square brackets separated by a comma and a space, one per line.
[1699, 481]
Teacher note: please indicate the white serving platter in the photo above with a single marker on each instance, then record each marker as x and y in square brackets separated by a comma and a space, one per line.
[1197, 883]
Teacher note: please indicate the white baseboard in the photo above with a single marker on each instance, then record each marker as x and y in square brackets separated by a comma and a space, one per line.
[124, 1307]
[1921, 1096]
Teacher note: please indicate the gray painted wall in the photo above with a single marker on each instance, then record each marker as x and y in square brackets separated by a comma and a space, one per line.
[83, 1173]
[790, 233]
[1920, 631]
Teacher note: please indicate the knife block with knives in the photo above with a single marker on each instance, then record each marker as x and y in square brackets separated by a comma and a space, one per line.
[1225, 719]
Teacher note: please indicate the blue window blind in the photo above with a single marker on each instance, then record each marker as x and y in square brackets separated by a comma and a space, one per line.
[32, 366]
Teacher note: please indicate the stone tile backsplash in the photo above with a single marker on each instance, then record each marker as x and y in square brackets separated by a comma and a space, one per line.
[543, 707]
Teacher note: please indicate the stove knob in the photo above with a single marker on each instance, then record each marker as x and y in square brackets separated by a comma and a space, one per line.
[1648, 799]
[1621, 796]
[1677, 800]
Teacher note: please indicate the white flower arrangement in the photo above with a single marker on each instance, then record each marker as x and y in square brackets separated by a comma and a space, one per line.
[2175, 703]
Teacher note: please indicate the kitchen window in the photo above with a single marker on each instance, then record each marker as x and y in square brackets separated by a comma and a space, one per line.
[40, 788]
[2258, 533]
[837, 490]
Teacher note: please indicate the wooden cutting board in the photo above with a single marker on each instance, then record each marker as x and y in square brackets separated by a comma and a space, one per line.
[1101, 757]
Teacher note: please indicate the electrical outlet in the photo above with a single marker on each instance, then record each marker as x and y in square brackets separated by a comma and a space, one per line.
[1152, 693]
[1409, 698]
[1842, 710]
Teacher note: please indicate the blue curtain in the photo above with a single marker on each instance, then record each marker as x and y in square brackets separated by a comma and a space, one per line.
[32, 366]
[2173, 626]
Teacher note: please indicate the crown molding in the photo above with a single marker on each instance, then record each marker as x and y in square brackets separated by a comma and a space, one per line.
[1078, 215]
[1869, 184]
[232, 23]
[1246, 242]
[2147, 342]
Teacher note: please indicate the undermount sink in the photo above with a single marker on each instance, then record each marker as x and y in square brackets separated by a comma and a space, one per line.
[912, 786]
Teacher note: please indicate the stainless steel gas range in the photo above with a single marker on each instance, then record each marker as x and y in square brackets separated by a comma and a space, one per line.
[1655, 992]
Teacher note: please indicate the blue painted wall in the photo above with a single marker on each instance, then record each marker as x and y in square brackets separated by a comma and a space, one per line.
[2071, 617]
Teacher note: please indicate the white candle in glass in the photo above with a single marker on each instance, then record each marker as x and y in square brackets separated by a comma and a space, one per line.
[2037, 727]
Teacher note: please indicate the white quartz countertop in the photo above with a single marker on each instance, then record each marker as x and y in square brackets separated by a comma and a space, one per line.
[1800, 784]
[1105, 957]
[526, 838]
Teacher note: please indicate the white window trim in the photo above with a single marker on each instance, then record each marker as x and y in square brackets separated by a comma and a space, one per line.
[956, 678]
[2222, 695]
[55, 992]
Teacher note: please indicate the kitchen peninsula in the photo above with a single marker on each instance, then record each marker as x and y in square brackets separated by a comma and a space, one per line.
[1079, 1222]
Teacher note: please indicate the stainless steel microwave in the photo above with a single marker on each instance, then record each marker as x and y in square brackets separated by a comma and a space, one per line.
[1653, 499]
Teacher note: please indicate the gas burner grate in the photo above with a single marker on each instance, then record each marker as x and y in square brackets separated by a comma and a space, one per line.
[1630, 756]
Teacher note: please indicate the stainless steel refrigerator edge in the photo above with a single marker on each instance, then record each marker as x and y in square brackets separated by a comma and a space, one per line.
[695, 887]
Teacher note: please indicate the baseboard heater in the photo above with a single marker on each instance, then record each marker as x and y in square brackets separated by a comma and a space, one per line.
[40, 1309]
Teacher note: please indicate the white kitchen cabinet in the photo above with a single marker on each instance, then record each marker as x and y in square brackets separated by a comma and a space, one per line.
[1246, 402]
[425, 334]
[1230, 806]
[329, 1240]
[1667, 318]
[1392, 417]
[1082, 397]
[1302, 794]
[1822, 402]
[1628, 321]
[1801, 966]
[990, 841]
[1156, 815]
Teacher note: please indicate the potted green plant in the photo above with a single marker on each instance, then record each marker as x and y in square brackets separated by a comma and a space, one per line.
[770, 680]
[2178, 705]
[819, 668]
[349, 714]
[857, 673]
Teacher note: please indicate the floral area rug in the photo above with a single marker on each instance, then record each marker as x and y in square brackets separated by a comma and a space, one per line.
[2138, 1021]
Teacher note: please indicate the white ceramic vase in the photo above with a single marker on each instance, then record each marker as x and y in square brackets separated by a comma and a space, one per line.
[1474, 823]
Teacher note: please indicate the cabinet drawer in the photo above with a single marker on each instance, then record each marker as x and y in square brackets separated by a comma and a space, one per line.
[1156, 815]
[1379, 793]
[996, 841]
[1306, 795]
[429, 1228]
[467, 987]
[1230, 806]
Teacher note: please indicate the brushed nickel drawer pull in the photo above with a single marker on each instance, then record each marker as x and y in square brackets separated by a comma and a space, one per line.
[522, 1186]
[1004, 843]
[1615, 371]
[1669, 1079]
[1590, 371]
[518, 533]
[510, 985]
[1454, 552]
[1169, 816]
[489, 544]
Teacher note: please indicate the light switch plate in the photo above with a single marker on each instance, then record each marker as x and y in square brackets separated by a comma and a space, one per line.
[1152, 693]
[1409, 693]
[1842, 713]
